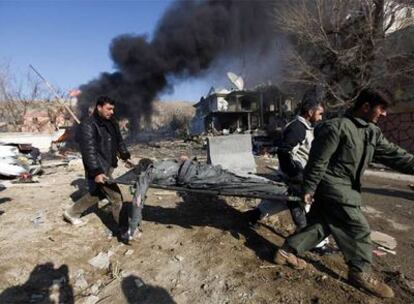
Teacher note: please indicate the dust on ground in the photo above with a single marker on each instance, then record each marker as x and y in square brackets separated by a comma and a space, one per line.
[194, 248]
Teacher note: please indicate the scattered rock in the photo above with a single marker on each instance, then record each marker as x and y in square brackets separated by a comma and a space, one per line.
[129, 252]
[178, 258]
[38, 219]
[101, 261]
[383, 239]
[322, 278]
[139, 283]
[80, 281]
[280, 275]
[91, 300]
[406, 281]
[94, 290]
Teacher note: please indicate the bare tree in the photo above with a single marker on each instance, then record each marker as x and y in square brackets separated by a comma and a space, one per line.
[343, 46]
[17, 93]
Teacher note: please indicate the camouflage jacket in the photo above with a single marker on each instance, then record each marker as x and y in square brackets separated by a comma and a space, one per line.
[342, 150]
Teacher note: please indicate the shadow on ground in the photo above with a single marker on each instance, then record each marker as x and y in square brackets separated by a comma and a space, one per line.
[38, 287]
[136, 291]
[211, 211]
[5, 200]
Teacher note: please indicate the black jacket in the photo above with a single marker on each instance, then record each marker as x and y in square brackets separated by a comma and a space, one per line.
[100, 144]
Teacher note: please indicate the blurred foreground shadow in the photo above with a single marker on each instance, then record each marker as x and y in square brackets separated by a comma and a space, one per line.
[136, 291]
[43, 279]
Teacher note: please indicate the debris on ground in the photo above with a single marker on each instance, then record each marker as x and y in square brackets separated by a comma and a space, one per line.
[378, 253]
[101, 261]
[39, 218]
[129, 252]
[80, 281]
[209, 237]
[383, 239]
[91, 300]
[387, 250]
[43, 141]
[17, 160]
[95, 288]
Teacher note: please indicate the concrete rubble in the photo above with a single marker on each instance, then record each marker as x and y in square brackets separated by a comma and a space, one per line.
[101, 261]
[80, 281]
[383, 240]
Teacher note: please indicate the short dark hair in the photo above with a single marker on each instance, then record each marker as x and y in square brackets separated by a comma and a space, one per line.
[309, 102]
[102, 100]
[374, 97]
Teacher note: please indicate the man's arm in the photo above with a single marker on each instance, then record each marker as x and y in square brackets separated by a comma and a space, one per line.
[88, 149]
[293, 135]
[323, 146]
[393, 156]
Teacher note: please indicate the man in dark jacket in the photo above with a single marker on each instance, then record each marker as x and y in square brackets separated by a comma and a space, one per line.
[342, 150]
[101, 144]
[293, 154]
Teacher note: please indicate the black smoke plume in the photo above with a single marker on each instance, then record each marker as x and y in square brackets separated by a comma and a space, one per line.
[192, 38]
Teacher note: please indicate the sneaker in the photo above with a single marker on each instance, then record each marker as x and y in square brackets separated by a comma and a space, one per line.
[76, 221]
[286, 258]
[135, 235]
[368, 282]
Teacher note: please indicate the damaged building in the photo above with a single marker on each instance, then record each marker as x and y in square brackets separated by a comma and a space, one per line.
[260, 111]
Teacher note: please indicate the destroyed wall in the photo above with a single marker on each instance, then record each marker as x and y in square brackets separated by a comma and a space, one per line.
[33, 116]
[398, 128]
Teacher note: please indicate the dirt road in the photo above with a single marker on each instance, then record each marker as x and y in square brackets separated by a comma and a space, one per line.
[194, 249]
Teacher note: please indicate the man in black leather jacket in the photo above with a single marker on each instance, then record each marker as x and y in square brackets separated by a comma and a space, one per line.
[101, 144]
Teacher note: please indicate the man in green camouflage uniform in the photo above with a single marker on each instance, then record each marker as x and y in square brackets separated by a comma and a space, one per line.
[342, 150]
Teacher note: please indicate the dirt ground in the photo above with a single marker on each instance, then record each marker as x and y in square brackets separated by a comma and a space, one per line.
[194, 248]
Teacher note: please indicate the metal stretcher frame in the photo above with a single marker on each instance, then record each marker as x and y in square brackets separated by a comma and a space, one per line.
[224, 192]
[227, 193]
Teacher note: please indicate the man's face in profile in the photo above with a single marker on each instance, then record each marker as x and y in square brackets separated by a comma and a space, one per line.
[373, 114]
[106, 111]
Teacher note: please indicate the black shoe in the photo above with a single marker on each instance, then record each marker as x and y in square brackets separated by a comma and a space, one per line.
[298, 215]
[123, 235]
[253, 216]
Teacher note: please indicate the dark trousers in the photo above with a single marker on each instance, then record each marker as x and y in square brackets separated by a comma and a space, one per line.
[347, 225]
[96, 192]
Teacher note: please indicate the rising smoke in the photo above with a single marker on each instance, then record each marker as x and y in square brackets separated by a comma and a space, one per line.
[193, 38]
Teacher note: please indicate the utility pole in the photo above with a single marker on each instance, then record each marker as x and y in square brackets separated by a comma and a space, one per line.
[56, 94]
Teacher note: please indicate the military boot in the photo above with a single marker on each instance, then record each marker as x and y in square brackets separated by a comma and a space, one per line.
[368, 282]
[284, 256]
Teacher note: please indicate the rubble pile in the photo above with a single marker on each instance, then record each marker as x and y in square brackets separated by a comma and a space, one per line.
[19, 160]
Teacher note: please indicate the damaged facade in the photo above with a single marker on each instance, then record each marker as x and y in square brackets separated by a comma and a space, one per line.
[262, 110]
